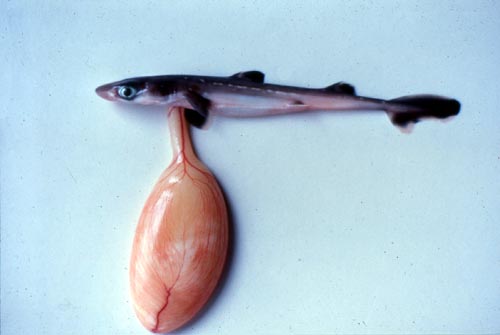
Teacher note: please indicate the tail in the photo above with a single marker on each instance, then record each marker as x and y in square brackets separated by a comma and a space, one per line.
[408, 110]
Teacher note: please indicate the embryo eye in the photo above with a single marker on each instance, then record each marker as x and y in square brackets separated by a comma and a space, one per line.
[127, 92]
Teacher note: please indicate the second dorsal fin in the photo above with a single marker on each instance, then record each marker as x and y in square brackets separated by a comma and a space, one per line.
[342, 88]
[253, 76]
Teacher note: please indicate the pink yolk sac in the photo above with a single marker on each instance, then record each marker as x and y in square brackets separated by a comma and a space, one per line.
[181, 241]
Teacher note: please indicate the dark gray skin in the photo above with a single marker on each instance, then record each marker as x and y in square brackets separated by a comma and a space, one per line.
[245, 94]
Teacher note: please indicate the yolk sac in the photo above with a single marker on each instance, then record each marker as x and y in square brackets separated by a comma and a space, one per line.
[181, 241]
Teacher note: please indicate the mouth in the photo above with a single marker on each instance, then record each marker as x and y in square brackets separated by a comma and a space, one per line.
[106, 92]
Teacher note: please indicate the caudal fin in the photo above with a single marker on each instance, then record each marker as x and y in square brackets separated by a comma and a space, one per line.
[408, 110]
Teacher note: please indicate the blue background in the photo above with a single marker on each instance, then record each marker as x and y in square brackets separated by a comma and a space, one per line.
[341, 223]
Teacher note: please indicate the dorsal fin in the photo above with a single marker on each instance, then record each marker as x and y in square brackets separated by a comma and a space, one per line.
[341, 87]
[253, 76]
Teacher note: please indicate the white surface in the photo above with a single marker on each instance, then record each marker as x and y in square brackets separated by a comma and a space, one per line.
[342, 224]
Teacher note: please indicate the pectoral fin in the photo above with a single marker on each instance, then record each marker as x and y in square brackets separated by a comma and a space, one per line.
[194, 118]
[253, 76]
[199, 114]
